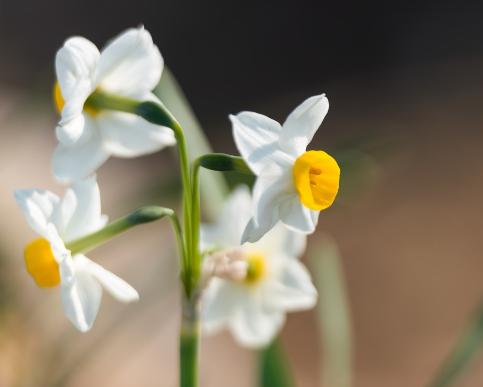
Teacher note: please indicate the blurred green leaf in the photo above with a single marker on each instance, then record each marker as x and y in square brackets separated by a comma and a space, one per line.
[333, 315]
[274, 368]
[468, 346]
[214, 188]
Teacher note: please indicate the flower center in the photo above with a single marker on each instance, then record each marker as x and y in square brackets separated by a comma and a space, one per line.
[41, 263]
[60, 102]
[257, 268]
[316, 178]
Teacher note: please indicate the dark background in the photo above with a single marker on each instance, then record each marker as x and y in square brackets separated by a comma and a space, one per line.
[229, 55]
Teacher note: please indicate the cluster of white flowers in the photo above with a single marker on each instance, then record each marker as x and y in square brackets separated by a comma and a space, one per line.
[268, 233]
[251, 273]
[130, 65]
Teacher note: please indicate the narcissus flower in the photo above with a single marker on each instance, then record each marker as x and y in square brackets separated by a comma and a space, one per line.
[252, 286]
[129, 66]
[49, 261]
[293, 185]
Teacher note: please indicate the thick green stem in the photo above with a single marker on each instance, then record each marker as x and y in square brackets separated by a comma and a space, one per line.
[189, 343]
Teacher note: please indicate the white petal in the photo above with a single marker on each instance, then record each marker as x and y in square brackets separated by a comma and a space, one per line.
[255, 327]
[292, 289]
[63, 211]
[298, 217]
[37, 206]
[294, 243]
[67, 271]
[282, 240]
[81, 298]
[70, 130]
[219, 302]
[75, 65]
[130, 64]
[80, 160]
[116, 286]
[256, 137]
[268, 193]
[301, 125]
[57, 245]
[82, 209]
[128, 135]
[228, 229]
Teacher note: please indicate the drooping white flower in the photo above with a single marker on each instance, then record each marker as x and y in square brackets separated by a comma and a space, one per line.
[252, 286]
[129, 66]
[50, 263]
[293, 185]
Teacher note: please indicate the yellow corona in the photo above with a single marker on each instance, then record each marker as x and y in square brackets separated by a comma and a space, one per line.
[41, 263]
[60, 102]
[316, 178]
[257, 268]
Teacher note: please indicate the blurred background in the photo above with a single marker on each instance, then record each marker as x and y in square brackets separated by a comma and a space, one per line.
[405, 85]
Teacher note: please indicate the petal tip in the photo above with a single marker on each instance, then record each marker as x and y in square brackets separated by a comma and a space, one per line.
[252, 233]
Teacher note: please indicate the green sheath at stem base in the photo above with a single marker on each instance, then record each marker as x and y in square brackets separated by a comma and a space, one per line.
[189, 343]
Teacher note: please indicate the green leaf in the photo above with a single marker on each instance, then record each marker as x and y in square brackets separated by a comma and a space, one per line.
[214, 188]
[467, 347]
[333, 315]
[274, 369]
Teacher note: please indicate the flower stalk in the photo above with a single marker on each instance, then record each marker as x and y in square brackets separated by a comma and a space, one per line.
[140, 216]
[157, 113]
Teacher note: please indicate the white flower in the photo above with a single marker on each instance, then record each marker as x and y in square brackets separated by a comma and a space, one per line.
[129, 66]
[252, 285]
[293, 185]
[50, 263]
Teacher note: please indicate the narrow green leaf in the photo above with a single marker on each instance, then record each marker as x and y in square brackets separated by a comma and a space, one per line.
[466, 349]
[333, 315]
[274, 368]
[214, 188]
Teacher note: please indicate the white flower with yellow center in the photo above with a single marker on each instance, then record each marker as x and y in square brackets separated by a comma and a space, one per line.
[50, 263]
[251, 287]
[293, 185]
[129, 66]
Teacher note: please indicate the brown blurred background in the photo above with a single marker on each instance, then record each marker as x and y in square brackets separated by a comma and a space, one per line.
[406, 88]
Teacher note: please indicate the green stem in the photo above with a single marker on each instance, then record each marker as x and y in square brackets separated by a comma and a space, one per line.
[196, 218]
[189, 343]
[156, 113]
[142, 215]
[187, 211]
